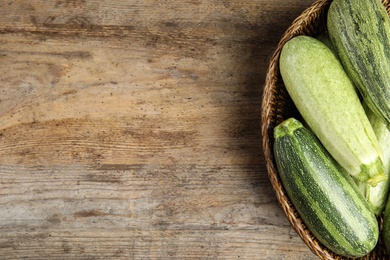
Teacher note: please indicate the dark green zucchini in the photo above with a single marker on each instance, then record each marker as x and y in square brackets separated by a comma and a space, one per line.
[323, 193]
[360, 32]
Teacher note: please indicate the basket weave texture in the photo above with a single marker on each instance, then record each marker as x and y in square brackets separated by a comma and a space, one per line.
[278, 106]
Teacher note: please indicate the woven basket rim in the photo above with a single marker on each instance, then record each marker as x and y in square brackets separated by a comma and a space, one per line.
[298, 27]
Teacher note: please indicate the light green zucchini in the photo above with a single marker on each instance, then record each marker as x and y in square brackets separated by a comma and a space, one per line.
[329, 104]
[323, 193]
[377, 196]
[360, 32]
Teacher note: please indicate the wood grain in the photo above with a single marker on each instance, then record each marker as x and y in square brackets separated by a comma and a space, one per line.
[131, 129]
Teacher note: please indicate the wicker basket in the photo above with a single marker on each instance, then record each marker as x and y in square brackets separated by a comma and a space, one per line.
[277, 106]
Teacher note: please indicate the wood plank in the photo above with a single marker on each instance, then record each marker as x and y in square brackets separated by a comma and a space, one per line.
[115, 210]
[180, 244]
[180, 196]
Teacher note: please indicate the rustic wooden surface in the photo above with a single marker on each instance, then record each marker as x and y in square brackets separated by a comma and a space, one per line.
[131, 129]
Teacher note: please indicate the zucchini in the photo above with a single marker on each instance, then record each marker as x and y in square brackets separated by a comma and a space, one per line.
[377, 196]
[384, 137]
[360, 32]
[323, 193]
[327, 100]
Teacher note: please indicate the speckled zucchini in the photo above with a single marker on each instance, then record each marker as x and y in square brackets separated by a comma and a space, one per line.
[327, 100]
[360, 32]
[323, 193]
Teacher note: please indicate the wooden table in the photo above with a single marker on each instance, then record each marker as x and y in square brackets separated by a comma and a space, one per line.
[131, 129]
